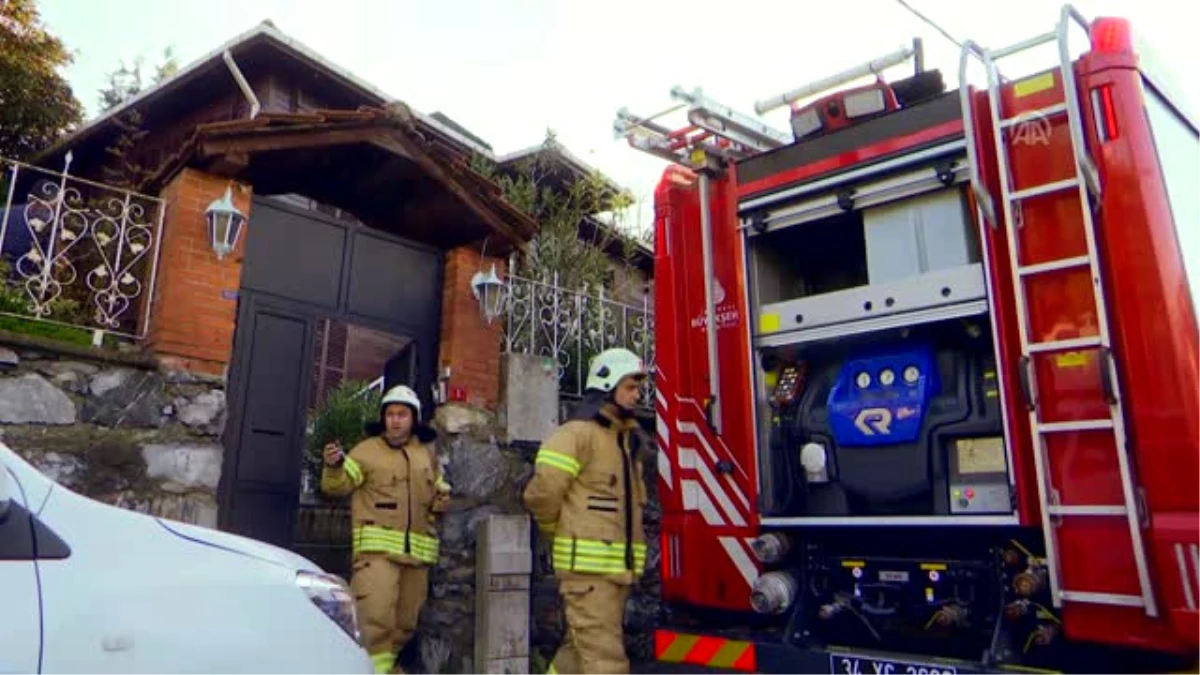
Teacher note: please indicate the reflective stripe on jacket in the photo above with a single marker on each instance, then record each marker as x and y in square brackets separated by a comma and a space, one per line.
[588, 492]
[394, 494]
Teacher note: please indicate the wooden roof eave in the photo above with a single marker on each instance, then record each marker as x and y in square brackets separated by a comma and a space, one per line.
[477, 193]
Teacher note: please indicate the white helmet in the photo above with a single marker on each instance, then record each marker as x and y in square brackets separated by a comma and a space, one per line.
[402, 394]
[610, 366]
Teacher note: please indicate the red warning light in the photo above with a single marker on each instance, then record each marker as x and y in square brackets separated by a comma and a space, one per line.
[1112, 35]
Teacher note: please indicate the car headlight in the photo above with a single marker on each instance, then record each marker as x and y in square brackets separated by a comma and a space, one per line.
[333, 597]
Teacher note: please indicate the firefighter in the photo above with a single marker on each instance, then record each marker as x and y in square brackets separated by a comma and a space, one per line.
[396, 487]
[587, 495]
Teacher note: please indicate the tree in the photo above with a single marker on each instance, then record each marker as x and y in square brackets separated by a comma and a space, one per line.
[559, 208]
[37, 106]
[123, 168]
[126, 82]
[573, 308]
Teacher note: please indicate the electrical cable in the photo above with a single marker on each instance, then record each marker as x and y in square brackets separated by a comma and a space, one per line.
[931, 23]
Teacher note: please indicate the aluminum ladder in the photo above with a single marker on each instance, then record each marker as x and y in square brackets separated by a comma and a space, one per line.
[1087, 184]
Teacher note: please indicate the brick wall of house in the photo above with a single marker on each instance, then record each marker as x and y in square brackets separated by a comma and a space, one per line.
[469, 346]
[194, 309]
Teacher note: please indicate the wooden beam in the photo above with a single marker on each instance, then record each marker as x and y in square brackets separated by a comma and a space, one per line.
[288, 139]
[229, 164]
[399, 143]
[436, 206]
[391, 175]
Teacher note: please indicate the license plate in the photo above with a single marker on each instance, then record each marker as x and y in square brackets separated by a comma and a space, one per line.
[859, 665]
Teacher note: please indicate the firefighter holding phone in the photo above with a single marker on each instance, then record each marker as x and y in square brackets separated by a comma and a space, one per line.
[396, 488]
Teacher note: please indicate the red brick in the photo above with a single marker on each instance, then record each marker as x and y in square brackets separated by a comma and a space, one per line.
[469, 346]
[191, 326]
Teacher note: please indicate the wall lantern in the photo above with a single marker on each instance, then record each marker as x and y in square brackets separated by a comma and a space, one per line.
[224, 224]
[489, 291]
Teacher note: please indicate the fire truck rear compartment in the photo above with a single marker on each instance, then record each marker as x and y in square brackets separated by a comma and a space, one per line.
[930, 448]
[880, 419]
[879, 396]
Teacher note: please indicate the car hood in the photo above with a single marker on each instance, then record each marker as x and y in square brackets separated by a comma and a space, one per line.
[238, 544]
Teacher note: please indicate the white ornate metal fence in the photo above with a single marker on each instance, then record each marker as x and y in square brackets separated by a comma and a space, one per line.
[572, 326]
[76, 252]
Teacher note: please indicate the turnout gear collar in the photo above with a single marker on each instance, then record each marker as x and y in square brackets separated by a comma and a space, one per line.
[599, 408]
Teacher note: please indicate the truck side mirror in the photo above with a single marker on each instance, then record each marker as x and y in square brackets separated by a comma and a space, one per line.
[6, 492]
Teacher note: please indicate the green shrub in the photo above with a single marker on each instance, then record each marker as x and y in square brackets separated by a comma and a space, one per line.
[342, 418]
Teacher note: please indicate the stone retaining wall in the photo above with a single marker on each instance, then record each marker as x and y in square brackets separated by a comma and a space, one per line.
[114, 427]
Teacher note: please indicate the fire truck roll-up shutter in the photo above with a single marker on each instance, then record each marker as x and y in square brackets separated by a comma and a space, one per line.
[903, 177]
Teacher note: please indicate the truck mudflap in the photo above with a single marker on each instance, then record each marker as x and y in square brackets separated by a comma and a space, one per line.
[719, 654]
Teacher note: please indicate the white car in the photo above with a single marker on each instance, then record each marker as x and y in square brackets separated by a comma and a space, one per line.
[88, 587]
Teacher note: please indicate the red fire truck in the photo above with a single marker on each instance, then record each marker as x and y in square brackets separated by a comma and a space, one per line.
[926, 369]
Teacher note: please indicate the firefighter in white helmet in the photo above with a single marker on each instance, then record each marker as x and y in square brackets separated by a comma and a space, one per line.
[587, 495]
[396, 487]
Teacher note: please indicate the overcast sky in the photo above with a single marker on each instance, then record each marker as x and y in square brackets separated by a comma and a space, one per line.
[508, 69]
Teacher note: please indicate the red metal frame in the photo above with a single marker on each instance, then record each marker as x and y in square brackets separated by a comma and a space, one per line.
[710, 547]
[851, 158]
[1154, 331]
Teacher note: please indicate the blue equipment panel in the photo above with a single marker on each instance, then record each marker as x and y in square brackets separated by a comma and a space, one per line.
[882, 399]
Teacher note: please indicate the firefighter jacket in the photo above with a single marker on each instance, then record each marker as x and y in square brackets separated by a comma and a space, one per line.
[395, 493]
[587, 492]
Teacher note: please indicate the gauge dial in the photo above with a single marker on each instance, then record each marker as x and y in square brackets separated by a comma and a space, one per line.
[887, 377]
[911, 374]
[863, 380]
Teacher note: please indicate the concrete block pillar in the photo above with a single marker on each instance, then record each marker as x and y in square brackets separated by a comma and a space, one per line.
[503, 564]
[530, 396]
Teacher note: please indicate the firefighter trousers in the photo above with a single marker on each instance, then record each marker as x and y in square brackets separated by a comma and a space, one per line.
[389, 596]
[595, 639]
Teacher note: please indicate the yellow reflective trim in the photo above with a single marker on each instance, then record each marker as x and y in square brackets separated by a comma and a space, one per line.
[383, 661]
[587, 555]
[601, 545]
[353, 470]
[398, 544]
[594, 545]
[580, 563]
[558, 461]
[375, 539]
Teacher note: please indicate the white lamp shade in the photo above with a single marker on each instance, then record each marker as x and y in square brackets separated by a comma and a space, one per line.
[225, 223]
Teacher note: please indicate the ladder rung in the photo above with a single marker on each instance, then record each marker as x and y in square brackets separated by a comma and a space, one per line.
[1044, 189]
[1082, 425]
[1088, 510]
[1103, 598]
[1023, 45]
[1053, 265]
[1042, 113]
[1063, 345]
